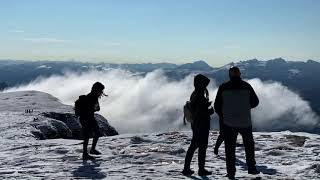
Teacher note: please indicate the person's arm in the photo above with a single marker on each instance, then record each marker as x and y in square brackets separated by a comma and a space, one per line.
[96, 107]
[218, 102]
[254, 100]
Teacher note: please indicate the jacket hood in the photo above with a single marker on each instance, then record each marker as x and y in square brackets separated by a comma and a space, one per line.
[201, 81]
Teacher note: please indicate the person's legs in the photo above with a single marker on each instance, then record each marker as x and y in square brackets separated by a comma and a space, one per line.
[218, 143]
[203, 144]
[230, 135]
[202, 157]
[86, 136]
[220, 137]
[201, 162]
[248, 142]
[192, 148]
[85, 145]
[95, 141]
[93, 147]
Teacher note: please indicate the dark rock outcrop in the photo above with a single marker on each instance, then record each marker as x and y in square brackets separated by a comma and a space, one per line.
[52, 125]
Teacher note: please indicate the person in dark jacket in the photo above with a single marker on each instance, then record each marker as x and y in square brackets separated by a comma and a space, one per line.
[88, 122]
[201, 125]
[233, 104]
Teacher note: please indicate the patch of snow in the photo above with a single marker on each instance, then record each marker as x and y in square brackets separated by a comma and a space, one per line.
[262, 63]
[152, 156]
[44, 67]
[294, 71]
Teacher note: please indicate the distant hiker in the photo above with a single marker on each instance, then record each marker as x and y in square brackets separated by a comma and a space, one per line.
[233, 104]
[85, 107]
[201, 111]
[220, 138]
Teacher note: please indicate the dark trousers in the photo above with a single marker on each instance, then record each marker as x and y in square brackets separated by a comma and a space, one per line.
[90, 130]
[219, 141]
[230, 135]
[220, 138]
[199, 140]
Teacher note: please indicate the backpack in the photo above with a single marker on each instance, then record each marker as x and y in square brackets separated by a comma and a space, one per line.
[187, 113]
[80, 105]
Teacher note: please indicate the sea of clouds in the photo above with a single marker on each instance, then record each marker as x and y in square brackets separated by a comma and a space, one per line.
[152, 102]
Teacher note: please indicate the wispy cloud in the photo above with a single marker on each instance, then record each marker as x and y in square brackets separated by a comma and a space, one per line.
[112, 44]
[17, 31]
[208, 51]
[47, 40]
[232, 47]
[116, 44]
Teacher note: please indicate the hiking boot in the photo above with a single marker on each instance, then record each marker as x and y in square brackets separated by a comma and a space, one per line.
[187, 172]
[253, 171]
[230, 176]
[86, 156]
[204, 172]
[95, 152]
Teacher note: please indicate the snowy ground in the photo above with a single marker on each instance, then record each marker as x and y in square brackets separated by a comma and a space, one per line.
[279, 155]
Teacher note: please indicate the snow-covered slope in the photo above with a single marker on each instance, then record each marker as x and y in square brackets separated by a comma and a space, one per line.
[281, 155]
[42, 116]
[39, 101]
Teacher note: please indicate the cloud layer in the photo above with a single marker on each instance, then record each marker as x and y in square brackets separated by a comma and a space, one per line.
[154, 103]
[47, 40]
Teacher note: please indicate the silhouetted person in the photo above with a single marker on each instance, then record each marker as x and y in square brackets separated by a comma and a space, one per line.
[88, 122]
[220, 138]
[233, 104]
[201, 124]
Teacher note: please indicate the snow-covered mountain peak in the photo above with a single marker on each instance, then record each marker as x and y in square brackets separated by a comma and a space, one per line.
[197, 65]
[42, 116]
[33, 100]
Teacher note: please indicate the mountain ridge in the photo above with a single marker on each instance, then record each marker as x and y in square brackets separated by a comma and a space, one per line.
[299, 76]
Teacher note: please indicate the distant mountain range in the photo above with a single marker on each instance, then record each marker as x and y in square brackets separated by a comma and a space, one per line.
[302, 77]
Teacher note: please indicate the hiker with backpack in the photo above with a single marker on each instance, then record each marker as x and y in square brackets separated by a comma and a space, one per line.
[233, 104]
[85, 107]
[200, 111]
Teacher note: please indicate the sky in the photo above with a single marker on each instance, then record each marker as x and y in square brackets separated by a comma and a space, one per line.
[176, 31]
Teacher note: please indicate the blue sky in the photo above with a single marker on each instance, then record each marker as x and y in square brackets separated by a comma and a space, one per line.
[178, 31]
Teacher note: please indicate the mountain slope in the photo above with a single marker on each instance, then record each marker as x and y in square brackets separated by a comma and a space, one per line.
[41, 116]
[280, 155]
